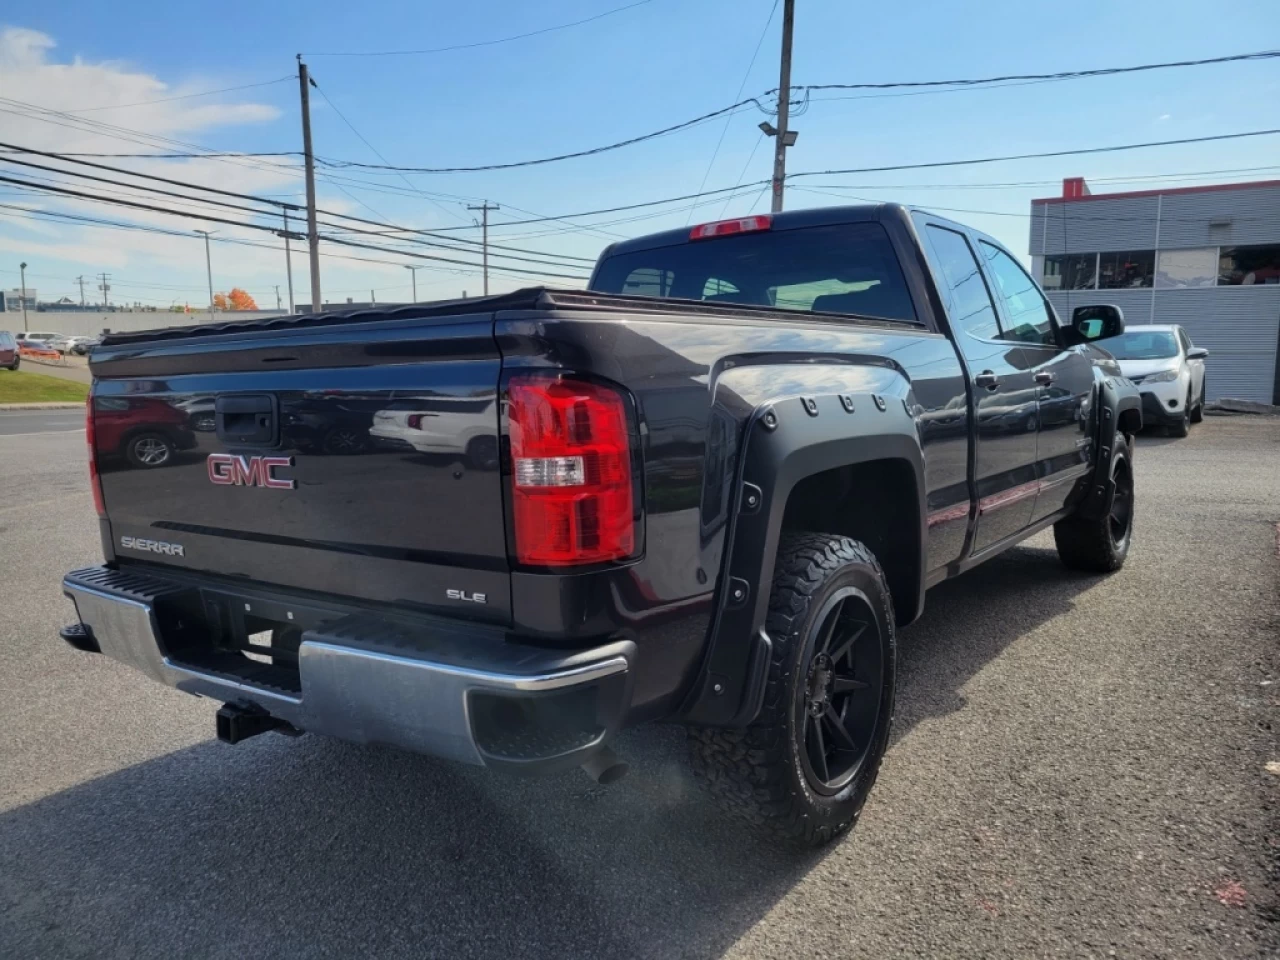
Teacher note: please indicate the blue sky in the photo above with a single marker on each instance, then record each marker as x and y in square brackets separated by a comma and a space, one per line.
[659, 63]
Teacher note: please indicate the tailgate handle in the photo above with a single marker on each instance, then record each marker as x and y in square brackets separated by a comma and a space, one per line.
[246, 420]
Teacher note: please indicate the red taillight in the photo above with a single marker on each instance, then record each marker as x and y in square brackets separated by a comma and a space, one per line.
[95, 482]
[725, 228]
[414, 421]
[571, 472]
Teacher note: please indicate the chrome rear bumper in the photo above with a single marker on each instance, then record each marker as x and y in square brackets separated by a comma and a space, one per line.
[424, 696]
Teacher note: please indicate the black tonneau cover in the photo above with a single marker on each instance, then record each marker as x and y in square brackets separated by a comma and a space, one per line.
[529, 298]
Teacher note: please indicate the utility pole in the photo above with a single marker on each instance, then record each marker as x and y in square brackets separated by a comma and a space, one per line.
[80, 280]
[22, 269]
[313, 235]
[413, 269]
[277, 296]
[288, 258]
[784, 138]
[484, 209]
[208, 264]
[105, 287]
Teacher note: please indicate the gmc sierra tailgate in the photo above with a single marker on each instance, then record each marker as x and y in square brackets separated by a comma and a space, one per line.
[353, 458]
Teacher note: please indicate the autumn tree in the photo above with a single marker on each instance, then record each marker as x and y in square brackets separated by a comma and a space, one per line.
[240, 300]
[237, 299]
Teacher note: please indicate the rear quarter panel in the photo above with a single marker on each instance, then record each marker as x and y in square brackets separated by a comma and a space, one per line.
[696, 384]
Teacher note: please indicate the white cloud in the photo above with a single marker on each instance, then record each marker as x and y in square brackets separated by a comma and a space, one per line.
[38, 100]
[53, 103]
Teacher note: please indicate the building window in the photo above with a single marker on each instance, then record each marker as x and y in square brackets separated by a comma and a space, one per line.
[1249, 265]
[1073, 271]
[1180, 269]
[1131, 268]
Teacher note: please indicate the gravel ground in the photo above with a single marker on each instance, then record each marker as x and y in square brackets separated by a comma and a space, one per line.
[1078, 770]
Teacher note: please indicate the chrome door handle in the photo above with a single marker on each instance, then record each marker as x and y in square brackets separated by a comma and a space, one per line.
[1044, 378]
[988, 379]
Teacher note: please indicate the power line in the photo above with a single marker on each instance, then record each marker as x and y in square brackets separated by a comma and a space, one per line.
[424, 256]
[732, 108]
[999, 185]
[738, 96]
[391, 228]
[1082, 151]
[253, 226]
[377, 154]
[168, 156]
[72, 158]
[346, 164]
[1061, 75]
[1081, 218]
[557, 262]
[806, 89]
[484, 43]
[1036, 156]
[27, 213]
[146, 187]
[185, 96]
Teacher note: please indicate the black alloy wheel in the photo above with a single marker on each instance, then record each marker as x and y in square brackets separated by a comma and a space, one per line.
[1120, 516]
[838, 703]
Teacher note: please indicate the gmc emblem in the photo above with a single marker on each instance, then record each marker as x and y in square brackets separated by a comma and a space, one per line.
[229, 470]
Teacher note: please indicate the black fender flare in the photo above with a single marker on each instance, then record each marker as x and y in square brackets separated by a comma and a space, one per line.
[1118, 404]
[785, 442]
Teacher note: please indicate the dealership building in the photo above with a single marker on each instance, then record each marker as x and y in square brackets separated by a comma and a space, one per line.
[1206, 257]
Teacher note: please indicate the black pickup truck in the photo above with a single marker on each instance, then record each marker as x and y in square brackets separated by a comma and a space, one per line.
[710, 490]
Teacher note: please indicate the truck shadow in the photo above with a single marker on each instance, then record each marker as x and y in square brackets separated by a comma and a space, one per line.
[314, 847]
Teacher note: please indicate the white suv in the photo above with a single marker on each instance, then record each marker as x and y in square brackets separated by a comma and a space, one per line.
[1168, 370]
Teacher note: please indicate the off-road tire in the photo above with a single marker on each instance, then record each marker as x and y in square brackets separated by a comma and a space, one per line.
[1092, 545]
[755, 773]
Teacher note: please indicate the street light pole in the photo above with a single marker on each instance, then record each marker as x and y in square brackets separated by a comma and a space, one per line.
[288, 258]
[22, 268]
[413, 270]
[208, 263]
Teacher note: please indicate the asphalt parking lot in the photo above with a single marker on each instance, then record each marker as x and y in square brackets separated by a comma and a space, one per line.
[1078, 770]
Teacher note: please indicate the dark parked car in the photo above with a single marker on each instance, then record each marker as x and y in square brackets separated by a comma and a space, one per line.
[726, 475]
[9, 355]
[144, 432]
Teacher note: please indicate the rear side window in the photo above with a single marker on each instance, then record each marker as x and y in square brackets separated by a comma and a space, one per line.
[842, 268]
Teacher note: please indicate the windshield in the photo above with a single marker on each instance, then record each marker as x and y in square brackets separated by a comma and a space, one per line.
[1143, 345]
[842, 268]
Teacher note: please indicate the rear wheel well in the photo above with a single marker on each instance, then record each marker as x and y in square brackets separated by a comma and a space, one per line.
[1130, 421]
[874, 502]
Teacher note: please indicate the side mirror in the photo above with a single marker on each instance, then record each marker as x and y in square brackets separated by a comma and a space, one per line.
[1095, 323]
[1197, 353]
